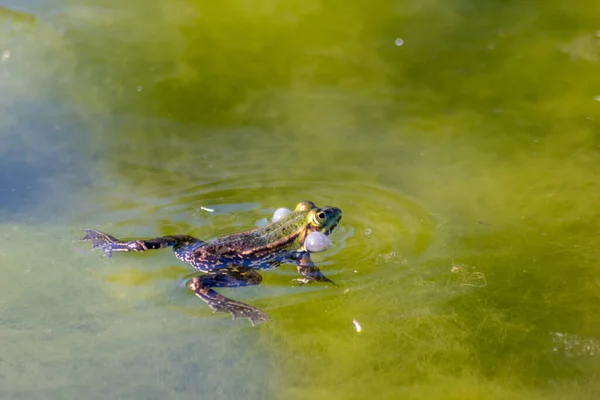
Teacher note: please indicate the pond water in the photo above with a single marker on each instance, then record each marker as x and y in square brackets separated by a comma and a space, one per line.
[461, 139]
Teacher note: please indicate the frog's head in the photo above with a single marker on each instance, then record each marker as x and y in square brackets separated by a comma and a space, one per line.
[306, 218]
[321, 219]
[305, 205]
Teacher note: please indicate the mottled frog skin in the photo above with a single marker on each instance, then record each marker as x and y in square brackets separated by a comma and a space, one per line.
[233, 260]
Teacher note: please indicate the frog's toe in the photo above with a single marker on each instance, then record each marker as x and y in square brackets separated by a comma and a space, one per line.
[305, 280]
[254, 315]
[100, 240]
[97, 238]
[241, 310]
[302, 281]
[257, 317]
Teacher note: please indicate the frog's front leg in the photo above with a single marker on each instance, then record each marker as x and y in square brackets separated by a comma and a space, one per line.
[232, 276]
[108, 244]
[309, 271]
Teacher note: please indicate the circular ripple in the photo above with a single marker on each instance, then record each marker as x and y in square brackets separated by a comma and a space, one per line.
[378, 223]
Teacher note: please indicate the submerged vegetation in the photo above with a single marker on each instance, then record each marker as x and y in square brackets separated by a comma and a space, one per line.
[459, 138]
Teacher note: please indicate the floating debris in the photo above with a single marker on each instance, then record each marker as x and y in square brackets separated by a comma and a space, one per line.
[476, 280]
[387, 257]
[573, 345]
[456, 268]
[207, 209]
[472, 279]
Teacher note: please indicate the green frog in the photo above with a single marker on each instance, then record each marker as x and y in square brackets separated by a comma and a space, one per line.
[233, 260]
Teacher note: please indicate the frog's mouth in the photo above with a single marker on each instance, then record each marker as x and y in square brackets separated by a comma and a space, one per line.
[334, 224]
[332, 228]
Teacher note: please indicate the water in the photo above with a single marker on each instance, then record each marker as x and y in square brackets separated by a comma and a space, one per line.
[465, 161]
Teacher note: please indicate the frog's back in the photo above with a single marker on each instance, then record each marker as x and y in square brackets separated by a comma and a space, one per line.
[281, 235]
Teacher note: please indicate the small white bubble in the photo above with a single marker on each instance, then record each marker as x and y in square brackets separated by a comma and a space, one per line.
[368, 232]
[5, 55]
[399, 42]
[140, 88]
[357, 326]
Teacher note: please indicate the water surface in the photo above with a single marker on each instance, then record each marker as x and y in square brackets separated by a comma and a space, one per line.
[459, 138]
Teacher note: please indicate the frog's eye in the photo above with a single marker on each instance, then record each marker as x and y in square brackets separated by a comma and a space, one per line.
[318, 217]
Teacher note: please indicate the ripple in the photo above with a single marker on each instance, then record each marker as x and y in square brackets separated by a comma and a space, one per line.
[379, 223]
[381, 226]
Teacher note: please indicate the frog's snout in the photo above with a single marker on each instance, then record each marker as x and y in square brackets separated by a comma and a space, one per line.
[336, 216]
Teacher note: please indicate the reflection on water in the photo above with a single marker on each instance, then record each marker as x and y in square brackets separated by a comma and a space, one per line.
[464, 160]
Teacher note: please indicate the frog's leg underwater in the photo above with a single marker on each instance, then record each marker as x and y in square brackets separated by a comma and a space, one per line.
[182, 244]
[232, 276]
[309, 271]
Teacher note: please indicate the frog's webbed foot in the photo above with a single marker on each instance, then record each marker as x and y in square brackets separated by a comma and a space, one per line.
[309, 271]
[221, 303]
[100, 240]
[312, 277]
[230, 277]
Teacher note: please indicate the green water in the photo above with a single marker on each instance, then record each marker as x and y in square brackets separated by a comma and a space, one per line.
[461, 139]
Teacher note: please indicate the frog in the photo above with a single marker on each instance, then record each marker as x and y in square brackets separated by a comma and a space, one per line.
[235, 260]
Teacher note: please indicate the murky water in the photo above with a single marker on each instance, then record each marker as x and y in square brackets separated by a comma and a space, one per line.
[460, 139]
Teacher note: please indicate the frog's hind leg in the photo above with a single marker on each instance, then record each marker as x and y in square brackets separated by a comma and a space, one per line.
[108, 243]
[231, 276]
